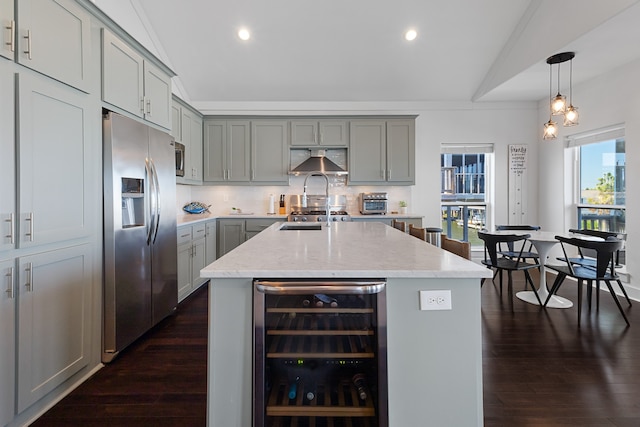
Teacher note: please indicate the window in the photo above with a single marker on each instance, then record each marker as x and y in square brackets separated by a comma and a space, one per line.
[601, 180]
[463, 195]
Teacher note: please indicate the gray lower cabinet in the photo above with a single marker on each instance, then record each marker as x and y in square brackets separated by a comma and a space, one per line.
[7, 340]
[233, 232]
[191, 258]
[210, 238]
[382, 152]
[54, 319]
[133, 83]
[230, 234]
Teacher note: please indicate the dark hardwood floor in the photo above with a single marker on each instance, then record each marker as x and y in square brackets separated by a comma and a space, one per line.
[161, 380]
[540, 369]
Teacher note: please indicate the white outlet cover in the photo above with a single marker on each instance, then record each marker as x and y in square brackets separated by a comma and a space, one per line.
[435, 300]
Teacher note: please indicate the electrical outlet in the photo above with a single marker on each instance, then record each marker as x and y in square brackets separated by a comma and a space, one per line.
[435, 300]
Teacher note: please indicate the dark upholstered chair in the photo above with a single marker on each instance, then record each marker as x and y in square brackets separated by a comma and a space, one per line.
[491, 259]
[602, 269]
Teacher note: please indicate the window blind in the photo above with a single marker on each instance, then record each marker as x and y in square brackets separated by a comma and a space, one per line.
[455, 148]
[599, 135]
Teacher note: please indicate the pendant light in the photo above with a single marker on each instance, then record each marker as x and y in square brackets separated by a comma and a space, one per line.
[558, 104]
[550, 128]
[571, 115]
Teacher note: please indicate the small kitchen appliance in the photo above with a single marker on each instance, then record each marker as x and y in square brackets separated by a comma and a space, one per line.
[373, 203]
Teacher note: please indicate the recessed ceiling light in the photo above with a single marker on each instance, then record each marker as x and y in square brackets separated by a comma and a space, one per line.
[244, 34]
[410, 35]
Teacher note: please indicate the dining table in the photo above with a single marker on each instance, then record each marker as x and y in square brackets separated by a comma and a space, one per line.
[543, 242]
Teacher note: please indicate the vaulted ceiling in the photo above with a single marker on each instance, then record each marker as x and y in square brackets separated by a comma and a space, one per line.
[355, 51]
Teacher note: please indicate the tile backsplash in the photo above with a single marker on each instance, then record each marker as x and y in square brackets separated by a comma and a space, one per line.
[223, 198]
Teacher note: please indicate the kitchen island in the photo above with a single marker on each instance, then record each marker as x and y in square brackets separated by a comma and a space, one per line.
[434, 357]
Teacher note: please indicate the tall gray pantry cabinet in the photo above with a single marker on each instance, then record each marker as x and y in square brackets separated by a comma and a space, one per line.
[47, 253]
[7, 265]
[51, 194]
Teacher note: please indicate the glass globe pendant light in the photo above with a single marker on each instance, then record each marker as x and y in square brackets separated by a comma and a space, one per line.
[550, 128]
[571, 115]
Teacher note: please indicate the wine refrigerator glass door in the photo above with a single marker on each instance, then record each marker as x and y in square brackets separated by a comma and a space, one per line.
[320, 353]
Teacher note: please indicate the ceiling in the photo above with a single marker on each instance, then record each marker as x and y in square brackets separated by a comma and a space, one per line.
[354, 50]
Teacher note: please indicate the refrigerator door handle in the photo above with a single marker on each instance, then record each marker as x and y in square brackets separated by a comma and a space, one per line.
[156, 186]
[151, 216]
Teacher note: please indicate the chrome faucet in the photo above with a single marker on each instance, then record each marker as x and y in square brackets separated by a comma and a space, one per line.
[326, 194]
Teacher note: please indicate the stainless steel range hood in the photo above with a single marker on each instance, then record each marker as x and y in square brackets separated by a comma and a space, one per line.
[318, 162]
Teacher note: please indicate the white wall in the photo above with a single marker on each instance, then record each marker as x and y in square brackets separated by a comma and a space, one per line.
[607, 100]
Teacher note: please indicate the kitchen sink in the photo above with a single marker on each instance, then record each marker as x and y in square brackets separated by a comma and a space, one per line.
[301, 227]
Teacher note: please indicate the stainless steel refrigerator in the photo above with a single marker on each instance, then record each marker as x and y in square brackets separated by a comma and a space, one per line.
[140, 255]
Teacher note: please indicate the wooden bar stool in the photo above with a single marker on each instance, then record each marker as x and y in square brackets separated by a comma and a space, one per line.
[400, 225]
[420, 233]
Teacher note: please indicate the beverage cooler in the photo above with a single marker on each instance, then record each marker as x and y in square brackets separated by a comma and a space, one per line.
[320, 353]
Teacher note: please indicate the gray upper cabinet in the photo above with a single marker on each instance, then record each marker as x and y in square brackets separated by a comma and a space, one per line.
[53, 130]
[269, 151]
[134, 84]
[227, 151]
[7, 161]
[401, 136]
[382, 152]
[7, 35]
[53, 37]
[187, 129]
[367, 151]
[322, 132]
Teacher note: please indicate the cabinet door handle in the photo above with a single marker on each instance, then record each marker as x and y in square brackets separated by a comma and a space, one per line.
[28, 51]
[12, 38]
[11, 234]
[29, 282]
[30, 233]
[10, 287]
[149, 107]
[142, 105]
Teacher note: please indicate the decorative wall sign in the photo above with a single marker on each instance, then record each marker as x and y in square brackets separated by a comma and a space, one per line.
[518, 184]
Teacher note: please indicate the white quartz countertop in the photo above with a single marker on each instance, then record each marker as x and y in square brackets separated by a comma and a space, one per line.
[349, 249]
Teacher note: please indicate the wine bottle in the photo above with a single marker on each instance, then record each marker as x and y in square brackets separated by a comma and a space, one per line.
[321, 299]
[293, 388]
[360, 383]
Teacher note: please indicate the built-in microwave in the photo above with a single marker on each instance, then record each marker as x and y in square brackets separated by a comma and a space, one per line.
[179, 159]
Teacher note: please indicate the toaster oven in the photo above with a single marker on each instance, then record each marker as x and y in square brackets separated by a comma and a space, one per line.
[373, 203]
